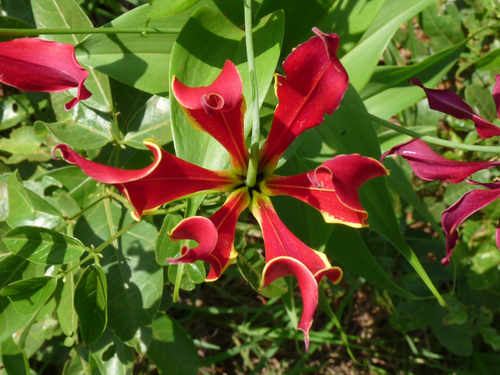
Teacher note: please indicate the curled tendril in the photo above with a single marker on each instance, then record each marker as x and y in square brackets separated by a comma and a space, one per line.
[313, 177]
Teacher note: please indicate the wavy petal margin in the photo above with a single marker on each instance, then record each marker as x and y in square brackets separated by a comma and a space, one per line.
[430, 166]
[448, 102]
[218, 109]
[332, 188]
[457, 213]
[214, 235]
[287, 255]
[31, 64]
[167, 179]
[315, 84]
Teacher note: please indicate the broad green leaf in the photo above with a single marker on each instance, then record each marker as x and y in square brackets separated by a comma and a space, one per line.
[166, 8]
[20, 9]
[194, 273]
[300, 18]
[388, 92]
[361, 61]
[398, 183]
[349, 19]
[13, 268]
[484, 271]
[13, 110]
[411, 315]
[24, 144]
[165, 248]
[67, 14]
[27, 208]
[44, 246]
[135, 280]
[481, 100]
[111, 355]
[491, 60]
[65, 296]
[251, 264]
[442, 25]
[151, 121]
[90, 303]
[454, 337]
[29, 295]
[139, 61]
[82, 128]
[14, 359]
[172, 350]
[347, 132]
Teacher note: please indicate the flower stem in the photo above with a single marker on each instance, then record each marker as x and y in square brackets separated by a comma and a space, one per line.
[101, 30]
[254, 107]
[426, 138]
[115, 236]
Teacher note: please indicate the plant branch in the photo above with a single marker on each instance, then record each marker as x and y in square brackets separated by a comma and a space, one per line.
[102, 30]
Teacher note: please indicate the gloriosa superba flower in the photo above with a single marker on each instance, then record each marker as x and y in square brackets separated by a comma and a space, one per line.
[315, 84]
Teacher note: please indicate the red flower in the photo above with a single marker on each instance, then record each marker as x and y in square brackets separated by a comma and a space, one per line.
[315, 83]
[448, 102]
[428, 165]
[39, 65]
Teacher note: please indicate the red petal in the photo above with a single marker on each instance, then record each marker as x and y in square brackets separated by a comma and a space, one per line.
[315, 84]
[448, 102]
[196, 228]
[218, 109]
[496, 94]
[454, 215]
[280, 242]
[39, 65]
[430, 166]
[215, 235]
[167, 179]
[225, 220]
[286, 266]
[332, 188]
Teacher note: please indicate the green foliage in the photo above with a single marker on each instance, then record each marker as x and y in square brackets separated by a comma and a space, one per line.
[84, 289]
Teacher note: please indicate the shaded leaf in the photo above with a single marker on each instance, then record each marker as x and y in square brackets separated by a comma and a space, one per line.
[111, 355]
[166, 248]
[29, 295]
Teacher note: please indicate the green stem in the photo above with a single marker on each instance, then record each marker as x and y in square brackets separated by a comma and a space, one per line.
[178, 280]
[85, 260]
[67, 221]
[254, 106]
[426, 138]
[102, 30]
[115, 236]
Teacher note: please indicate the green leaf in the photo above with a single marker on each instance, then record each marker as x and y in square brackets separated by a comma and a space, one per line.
[82, 128]
[166, 248]
[194, 273]
[484, 271]
[12, 23]
[388, 92]
[14, 360]
[28, 295]
[166, 8]
[27, 208]
[481, 100]
[203, 46]
[18, 9]
[361, 61]
[90, 303]
[152, 120]
[456, 338]
[44, 246]
[141, 62]
[347, 247]
[13, 110]
[24, 144]
[410, 316]
[442, 25]
[491, 60]
[65, 297]
[111, 355]
[172, 350]
[251, 264]
[135, 280]
[350, 19]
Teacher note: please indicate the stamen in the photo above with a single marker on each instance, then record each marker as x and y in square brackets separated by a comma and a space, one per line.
[212, 103]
